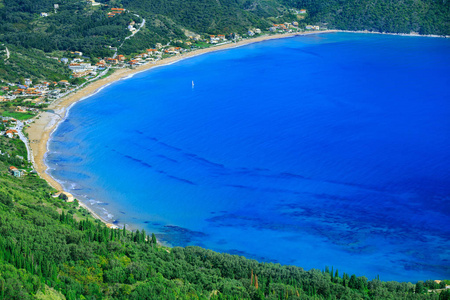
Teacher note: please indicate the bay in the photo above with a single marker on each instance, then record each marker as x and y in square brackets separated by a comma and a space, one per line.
[318, 150]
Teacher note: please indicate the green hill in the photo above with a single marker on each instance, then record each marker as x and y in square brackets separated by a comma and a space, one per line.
[50, 249]
[404, 16]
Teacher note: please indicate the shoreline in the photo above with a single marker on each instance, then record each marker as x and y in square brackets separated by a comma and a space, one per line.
[396, 34]
[45, 124]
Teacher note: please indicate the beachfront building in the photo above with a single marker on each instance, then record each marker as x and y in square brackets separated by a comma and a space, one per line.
[133, 62]
[81, 67]
[213, 39]
[142, 55]
[251, 33]
[82, 73]
[11, 133]
[16, 172]
[312, 27]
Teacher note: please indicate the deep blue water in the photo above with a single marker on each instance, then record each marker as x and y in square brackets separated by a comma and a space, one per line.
[318, 150]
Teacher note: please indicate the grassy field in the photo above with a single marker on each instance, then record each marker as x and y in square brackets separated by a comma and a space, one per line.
[18, 115]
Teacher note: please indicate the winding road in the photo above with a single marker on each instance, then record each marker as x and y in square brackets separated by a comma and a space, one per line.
[131, 35]
[7, 53]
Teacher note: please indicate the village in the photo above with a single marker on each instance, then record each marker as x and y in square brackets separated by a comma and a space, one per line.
[22, 101]
[28, 97]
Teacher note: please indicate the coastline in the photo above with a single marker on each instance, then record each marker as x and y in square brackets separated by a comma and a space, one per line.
[398, 34]
[41, 129]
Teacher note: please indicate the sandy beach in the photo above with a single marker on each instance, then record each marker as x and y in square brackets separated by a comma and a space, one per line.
[45, 123]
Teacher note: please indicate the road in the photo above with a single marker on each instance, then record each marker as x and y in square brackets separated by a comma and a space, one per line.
[23, 138]
[131, 35]
[19, 126]
[7, 53]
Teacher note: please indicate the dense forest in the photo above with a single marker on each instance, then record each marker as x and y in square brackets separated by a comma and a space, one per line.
[50, 249]
[211, 16]
[403, 16]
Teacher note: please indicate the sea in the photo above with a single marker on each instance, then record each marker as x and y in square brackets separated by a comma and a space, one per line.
[316, 150]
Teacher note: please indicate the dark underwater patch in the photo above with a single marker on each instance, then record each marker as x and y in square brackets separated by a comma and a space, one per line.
[180, 236]
[181, 179]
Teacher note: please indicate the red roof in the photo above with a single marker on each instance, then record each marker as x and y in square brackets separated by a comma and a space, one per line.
[12, 168]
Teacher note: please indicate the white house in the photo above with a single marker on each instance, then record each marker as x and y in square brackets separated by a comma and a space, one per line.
[44, 14]
[312, 27]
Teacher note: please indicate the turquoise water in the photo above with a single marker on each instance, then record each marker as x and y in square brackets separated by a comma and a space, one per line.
[318, 150]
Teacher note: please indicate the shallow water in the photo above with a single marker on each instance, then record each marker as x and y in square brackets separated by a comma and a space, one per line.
[315, 150]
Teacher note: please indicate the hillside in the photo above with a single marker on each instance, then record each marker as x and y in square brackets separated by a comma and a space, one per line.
[75, 25]
[405, 16]
[50, 248]
[211, 16]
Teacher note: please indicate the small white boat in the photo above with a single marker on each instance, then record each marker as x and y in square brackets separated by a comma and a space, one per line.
[192, 83]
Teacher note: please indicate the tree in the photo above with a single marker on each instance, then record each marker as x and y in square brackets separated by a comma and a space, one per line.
[420, 289]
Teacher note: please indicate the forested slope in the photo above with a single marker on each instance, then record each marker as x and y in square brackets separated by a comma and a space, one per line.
[211, 16]
[48, 249]
[394, 16]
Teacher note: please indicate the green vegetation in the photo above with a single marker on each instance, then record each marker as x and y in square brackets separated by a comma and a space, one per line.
[34, 40]
[11, 150]
[405, 16]
[210, 16]
[31, 63]
[49, 250]
[18, 115]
